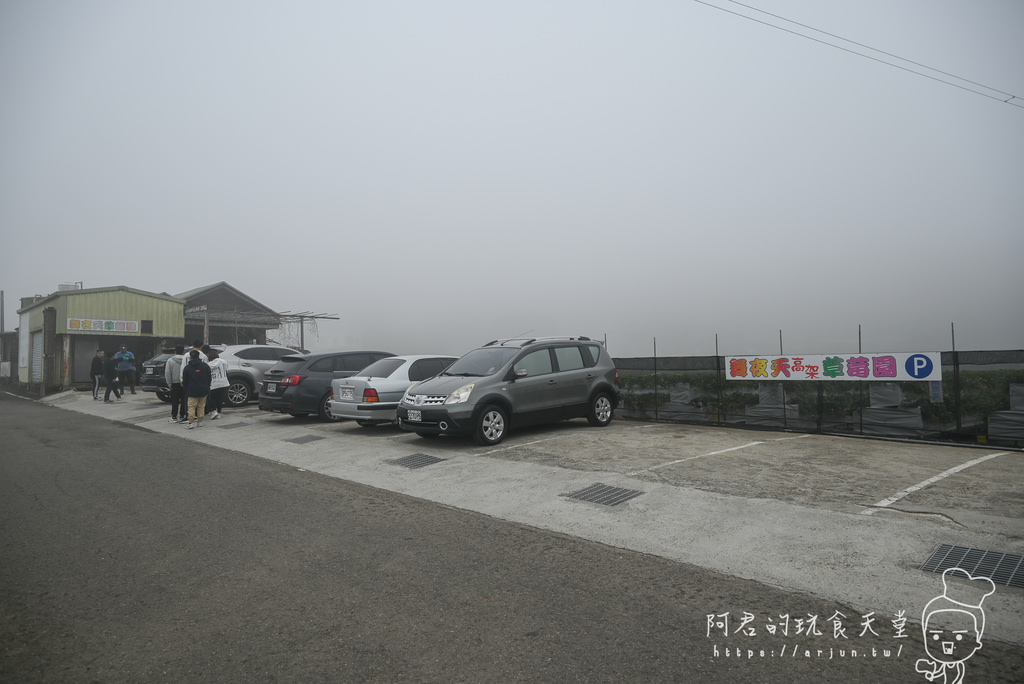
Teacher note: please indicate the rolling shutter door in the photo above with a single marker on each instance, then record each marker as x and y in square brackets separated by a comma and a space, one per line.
[36, 371]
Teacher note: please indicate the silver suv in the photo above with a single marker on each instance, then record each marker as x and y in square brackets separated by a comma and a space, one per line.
[508, 383]
[246, 365]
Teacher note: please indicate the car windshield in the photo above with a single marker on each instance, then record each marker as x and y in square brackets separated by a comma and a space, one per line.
[381, 369]
[482, 362]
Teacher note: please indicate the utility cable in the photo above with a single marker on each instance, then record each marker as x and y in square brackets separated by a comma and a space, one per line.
[1010, 99]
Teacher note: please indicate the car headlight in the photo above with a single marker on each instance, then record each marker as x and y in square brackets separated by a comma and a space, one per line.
[461, 395]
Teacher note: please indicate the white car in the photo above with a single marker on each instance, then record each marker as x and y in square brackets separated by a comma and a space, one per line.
[372, 396]
[246, 364]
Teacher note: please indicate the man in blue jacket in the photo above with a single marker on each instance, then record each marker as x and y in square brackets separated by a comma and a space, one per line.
[196, 380]
[126, 368]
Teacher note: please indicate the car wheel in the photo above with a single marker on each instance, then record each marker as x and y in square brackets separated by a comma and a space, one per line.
[324, 411]
[600, 410]
[491, 426]
[163, 394]
[239, 392]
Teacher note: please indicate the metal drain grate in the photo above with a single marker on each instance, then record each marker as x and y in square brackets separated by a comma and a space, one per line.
[415, 461]
[1001, 568]
[304, 439]
[231, 426]
[605, 495]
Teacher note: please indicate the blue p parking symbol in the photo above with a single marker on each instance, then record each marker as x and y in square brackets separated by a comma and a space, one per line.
[919, 366]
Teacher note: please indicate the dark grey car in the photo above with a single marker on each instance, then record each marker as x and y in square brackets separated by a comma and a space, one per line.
[246, 364]
[300, 384]
[509, 383]
[152, 379]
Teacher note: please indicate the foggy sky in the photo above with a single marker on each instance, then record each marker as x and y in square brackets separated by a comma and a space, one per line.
[443, 173]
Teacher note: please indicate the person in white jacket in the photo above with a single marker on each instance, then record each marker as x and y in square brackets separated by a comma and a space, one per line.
[172, 374]
[218, 384]
[198, 346]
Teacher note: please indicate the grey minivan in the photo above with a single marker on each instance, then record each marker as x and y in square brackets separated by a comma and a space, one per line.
[511, 383]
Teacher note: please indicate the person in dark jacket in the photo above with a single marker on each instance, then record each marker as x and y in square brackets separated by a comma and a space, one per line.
[110, 373]
[196, 380]
[96, 373]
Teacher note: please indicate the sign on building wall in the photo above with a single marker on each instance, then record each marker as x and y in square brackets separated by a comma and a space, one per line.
[92, 325]
[838, 367]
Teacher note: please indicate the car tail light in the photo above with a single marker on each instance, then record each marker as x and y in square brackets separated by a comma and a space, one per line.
[370, 395]
[290, 380]
[616, 377]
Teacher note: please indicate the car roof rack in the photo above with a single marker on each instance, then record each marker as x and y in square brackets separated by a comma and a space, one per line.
[523, 341]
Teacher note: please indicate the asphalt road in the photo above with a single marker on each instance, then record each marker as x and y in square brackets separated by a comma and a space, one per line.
[132, 556]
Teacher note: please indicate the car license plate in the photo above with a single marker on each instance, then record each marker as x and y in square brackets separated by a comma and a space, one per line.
[347, 393]
[150, 371]
[414, 416]
[271, 387]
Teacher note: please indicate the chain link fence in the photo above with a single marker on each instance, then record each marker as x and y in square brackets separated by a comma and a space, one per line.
[979, 400]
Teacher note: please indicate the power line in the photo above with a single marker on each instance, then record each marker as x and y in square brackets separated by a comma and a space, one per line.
[1010, 99]
[882, 52]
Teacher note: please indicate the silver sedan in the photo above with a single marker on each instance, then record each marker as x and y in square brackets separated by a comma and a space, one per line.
[371, 397]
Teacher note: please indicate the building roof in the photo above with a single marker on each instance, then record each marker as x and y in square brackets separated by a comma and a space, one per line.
[93, 290]
[210, 289]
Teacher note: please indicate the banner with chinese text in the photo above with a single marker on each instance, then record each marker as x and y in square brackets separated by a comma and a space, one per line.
[91, 325]
[884, 367]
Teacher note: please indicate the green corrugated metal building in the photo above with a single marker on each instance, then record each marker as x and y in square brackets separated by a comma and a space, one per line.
[60, 333]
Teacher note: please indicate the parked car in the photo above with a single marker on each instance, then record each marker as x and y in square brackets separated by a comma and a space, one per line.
[510, 383]
[300, 384]
[246, 364]
[152, 379]
[371, 396]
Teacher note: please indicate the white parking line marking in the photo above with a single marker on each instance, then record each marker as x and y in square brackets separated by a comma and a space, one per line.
[494, 450]
[691, 458]
[884, 503]
[714, 453]
[11, 394]
[786, 439]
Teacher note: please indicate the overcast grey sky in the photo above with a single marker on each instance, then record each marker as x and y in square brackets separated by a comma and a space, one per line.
[441, 173]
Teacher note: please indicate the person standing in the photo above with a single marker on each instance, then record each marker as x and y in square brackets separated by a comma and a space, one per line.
[196, 346]
[96, 373]
[110, 373]
[218, 383]
[172, 374]
[126, 368]
[197, 386]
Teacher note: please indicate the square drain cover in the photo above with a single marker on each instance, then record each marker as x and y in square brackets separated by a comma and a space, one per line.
[415, 461]
[605, 495]
[1001, 568]
[304, 439]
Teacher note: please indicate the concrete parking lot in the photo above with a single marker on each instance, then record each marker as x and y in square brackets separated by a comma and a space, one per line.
[844, 519]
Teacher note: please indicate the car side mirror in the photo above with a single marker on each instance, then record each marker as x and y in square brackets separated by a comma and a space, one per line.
[522, 373]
